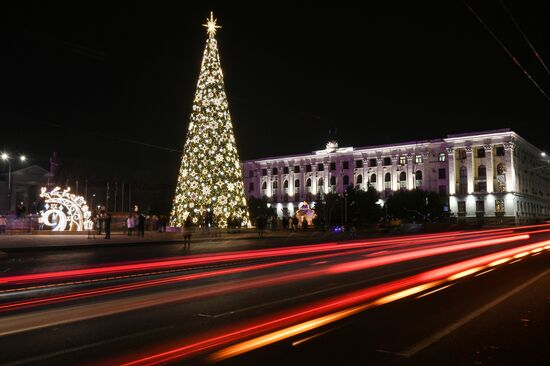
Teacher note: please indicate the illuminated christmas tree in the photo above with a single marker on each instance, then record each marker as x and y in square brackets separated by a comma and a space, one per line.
[210, 185]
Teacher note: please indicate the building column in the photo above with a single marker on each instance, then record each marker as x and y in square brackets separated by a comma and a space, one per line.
[380, 175]
[470, 169]
[452, 170]
[410, 173]
[510, 169]
[394, 175]
[489, 167]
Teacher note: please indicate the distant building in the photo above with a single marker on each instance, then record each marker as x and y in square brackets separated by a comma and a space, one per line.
[25, 187]
[494, 174]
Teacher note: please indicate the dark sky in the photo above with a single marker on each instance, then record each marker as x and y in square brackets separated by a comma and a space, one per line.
[84, 80]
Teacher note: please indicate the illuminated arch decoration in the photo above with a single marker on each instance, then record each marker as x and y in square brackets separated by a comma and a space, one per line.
[65, 211]
[305, 212]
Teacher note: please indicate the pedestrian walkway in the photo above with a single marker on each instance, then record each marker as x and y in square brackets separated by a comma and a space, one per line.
[63, 240]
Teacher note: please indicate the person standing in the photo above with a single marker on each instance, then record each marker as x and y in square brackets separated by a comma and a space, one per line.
[107, 222]
[141, 225]
[187, 228]
[91, 228]
[3, 224]
[130, 224]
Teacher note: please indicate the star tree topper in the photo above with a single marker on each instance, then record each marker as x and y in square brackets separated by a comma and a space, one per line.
[211, 25]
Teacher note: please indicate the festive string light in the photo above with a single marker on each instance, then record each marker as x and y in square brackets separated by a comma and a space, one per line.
[210, 180]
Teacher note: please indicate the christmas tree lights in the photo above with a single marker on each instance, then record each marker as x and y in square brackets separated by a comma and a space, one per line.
[210, 185]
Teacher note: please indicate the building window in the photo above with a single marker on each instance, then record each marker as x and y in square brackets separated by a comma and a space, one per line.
[359, 179]
[463, 181]
[264, 172]
[373, 178]
[333, 180]
[285, 184]
[462, 207]
[250, 187]
[480, 206]
[372, 162]
[297, 183]
[285, 170]
[482, 186]
[332, 166]
[251, 174]
[308, 182]
[501, 170]
[359, 163]
[481, 172]
[345, 165]
[499, 151]
[442, 190]
[480, 152]
[345, 180]
[296, 169]
[308, 168]
[274, 185]
[387, 161]
[274, 171]
[402, 180]
[320, 167]
[418, 178]
[387, 181]
[441, 173]
[499, 206]
[418, 159]
[442, 157]
[264, 185]
[462, 154]
[402, 160]
[321, 185]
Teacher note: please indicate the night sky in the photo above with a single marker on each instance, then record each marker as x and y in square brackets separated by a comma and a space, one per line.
[101, 83]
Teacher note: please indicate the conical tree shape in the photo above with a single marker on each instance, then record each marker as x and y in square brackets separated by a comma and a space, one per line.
[210, 184]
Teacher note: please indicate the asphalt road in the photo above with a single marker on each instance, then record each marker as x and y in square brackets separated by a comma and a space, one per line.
[459, 298]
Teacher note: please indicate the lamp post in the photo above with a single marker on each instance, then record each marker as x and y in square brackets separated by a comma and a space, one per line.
[5, 157]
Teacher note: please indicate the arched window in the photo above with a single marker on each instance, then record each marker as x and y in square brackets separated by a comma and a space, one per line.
[308, 182]
[501, 170]
[333, 181]
[387, 181]
[359, 179]
[285, 184]
[402, 180]
[373, 178]
[345, 180]
[481, 172]
[274, 184]
[250, 187]
[418, 179]
[320, 183]
[297, 183]
[264, 185]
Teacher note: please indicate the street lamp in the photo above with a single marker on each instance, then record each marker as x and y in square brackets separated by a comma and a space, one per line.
[23, 158]
[543, 154]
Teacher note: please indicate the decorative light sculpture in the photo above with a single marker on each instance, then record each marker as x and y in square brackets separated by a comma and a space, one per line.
[65, 211]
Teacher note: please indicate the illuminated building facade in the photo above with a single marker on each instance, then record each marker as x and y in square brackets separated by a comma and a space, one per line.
[491, 174]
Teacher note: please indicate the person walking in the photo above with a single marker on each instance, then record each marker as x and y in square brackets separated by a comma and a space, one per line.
[3, 224]
[107, 222]
[141, 225]
[187, 229]
[130, 224]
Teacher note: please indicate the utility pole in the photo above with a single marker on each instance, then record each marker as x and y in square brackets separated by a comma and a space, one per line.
[116, 191]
